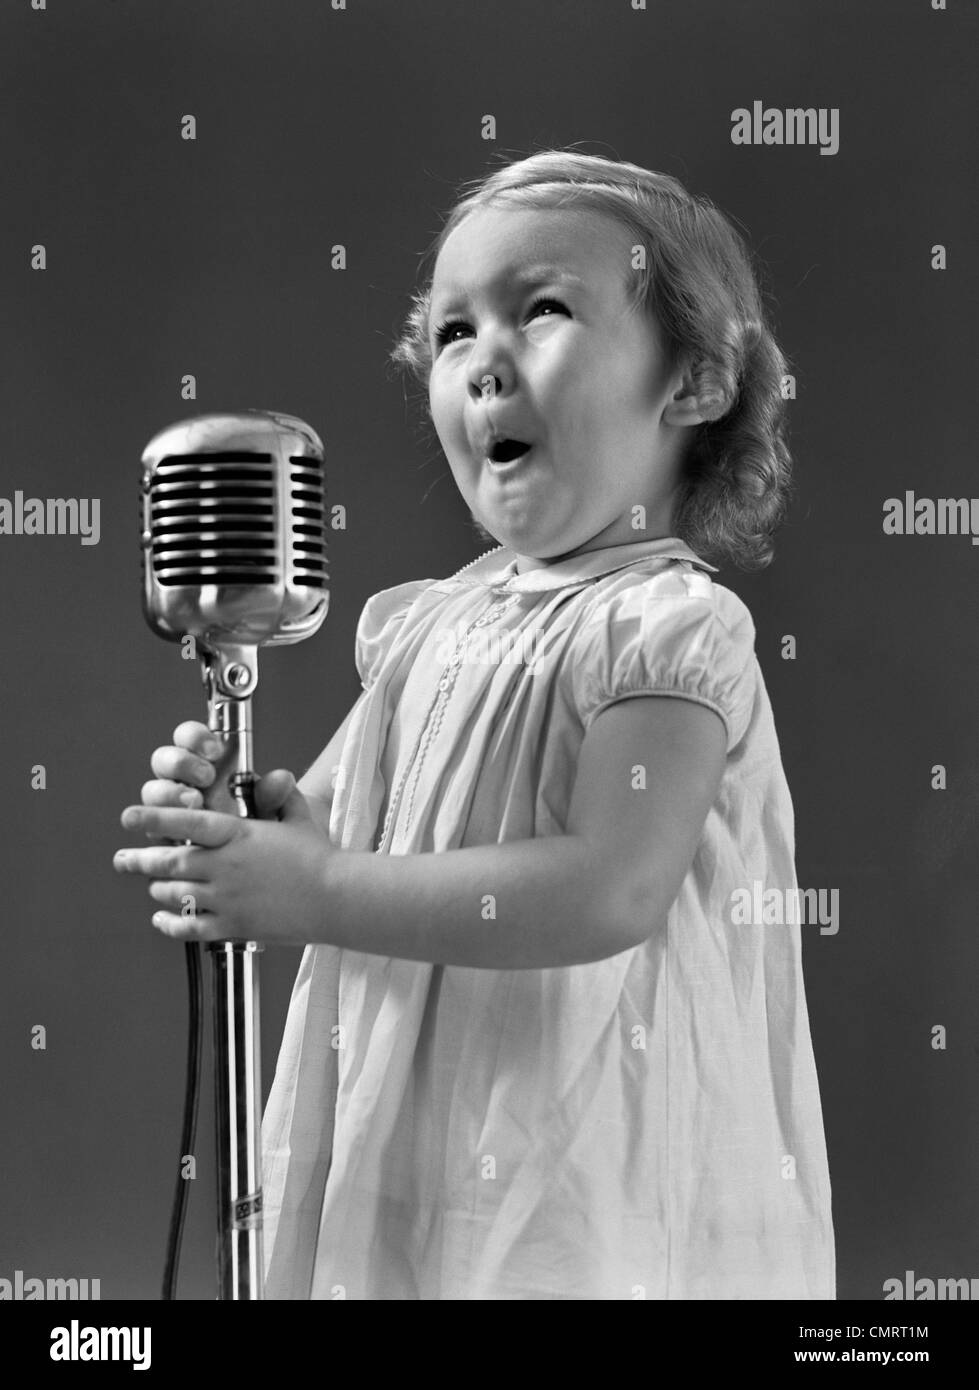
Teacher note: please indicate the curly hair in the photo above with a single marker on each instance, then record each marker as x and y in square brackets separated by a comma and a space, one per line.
[700, 284]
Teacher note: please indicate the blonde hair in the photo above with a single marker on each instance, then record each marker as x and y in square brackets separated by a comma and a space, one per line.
[699, 283]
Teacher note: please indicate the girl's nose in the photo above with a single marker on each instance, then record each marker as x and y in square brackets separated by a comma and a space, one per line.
[488, 384]
[490, 367]
[490, 363]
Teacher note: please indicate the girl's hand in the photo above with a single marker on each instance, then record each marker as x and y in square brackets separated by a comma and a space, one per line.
[186, 771]
[248, 880]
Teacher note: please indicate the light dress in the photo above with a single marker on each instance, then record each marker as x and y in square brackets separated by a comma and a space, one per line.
[646, 1126]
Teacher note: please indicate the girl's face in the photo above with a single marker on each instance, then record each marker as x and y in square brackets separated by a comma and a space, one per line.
[532, 339]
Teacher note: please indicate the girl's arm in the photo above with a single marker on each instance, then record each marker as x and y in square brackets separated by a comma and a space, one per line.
[648, 773]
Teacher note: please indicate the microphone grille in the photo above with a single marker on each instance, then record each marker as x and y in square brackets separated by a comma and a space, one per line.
[307, 485]
[214, 519]
[233, 530]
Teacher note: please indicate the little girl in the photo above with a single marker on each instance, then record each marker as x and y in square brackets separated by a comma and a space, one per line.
[532, 1051]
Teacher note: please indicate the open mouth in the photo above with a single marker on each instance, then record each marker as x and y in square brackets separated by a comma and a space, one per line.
[508, 451]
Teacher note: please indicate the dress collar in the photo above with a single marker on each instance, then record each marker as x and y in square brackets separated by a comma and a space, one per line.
[498, 568]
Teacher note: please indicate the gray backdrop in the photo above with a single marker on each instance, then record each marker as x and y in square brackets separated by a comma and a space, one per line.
[165, 257]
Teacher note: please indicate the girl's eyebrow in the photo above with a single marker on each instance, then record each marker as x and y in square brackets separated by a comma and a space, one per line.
[540, 274]
[529, 278]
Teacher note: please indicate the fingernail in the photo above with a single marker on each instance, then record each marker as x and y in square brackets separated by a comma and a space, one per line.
[191, 798]
[212, 748]
[131, 818]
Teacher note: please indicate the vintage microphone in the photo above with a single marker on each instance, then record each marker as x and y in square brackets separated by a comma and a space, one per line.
[233, 535]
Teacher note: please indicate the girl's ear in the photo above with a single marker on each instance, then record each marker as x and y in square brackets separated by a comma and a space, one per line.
[685, 407]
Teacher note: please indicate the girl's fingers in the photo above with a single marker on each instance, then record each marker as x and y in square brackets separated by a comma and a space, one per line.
[208, 829]
[195, 768]
[180, 765]
[163, 792]
[202, 927]
[182, 897]
[173, 862]
[198, 738]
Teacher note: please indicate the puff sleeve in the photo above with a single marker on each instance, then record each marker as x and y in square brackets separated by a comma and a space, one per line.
[679, 635]
[379, 622]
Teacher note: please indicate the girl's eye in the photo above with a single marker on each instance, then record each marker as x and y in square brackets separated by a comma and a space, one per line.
[444, 332]
[543, 303]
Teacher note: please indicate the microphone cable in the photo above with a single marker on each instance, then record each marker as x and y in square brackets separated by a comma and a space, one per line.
[188, 1133]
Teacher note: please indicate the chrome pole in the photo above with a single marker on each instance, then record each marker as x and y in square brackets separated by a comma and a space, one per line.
[229, 677]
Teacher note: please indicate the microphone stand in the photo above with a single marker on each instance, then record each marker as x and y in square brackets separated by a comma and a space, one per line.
[230, 675]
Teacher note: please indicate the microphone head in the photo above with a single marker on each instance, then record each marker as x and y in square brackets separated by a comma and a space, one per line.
[233, 530]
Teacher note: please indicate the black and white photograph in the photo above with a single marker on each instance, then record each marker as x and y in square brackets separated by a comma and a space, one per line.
[491, 734]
